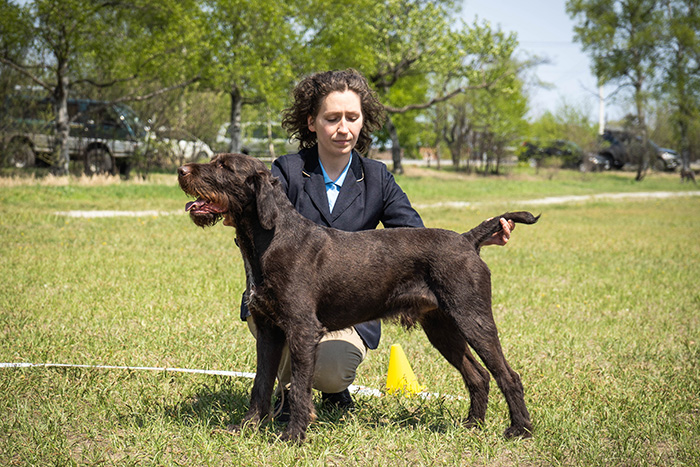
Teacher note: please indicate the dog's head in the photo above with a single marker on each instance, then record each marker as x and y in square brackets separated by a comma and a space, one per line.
[224, 187]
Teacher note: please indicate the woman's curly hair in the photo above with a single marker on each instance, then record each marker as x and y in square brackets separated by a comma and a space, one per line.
[308, 96]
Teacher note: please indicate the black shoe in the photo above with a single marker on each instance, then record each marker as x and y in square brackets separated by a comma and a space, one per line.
[338, 400]
[281, 411]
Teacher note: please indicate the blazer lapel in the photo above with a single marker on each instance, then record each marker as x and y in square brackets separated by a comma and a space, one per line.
[315, 187]
[351, 189]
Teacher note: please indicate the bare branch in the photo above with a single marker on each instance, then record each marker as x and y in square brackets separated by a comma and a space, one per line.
[107, 84]
[132, 98]
[26, 73]
[444, 97]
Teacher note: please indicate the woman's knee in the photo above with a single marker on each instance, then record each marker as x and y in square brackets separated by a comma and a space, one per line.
[336, 365]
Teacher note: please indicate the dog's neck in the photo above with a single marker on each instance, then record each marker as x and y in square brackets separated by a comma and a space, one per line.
[253, 241]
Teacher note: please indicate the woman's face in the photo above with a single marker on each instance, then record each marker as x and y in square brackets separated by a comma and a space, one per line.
[338, 123]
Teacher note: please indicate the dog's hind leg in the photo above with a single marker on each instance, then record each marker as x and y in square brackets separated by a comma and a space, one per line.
[442, 331]
[269, 344]
[482, 336]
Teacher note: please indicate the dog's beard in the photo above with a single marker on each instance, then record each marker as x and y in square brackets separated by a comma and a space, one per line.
[205, 219]
[204, 213]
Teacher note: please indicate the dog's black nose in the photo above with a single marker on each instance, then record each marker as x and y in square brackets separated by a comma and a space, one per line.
[184, 170]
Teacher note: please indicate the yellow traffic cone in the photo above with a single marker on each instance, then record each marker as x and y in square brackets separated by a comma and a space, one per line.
[400, 377]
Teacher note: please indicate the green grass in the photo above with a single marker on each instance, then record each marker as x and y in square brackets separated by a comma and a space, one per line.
[598, 308]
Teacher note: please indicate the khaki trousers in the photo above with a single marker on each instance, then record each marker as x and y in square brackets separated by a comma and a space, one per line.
[338, 356]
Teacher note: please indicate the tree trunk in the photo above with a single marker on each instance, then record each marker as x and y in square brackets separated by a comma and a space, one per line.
[641, 120]
[270, 142]
[60, 96]
[437, 147]
[685, 145]
[683, 122]
[234, 129]
[395, 146]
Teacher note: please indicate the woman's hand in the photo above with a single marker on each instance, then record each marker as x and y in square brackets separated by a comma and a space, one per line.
[502, 237]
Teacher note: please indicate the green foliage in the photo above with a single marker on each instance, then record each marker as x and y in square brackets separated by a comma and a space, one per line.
[81, 48]
[681, 81]
[649, 45]
[252, 47]
[415, 54]
[620, 35]
[567, 122]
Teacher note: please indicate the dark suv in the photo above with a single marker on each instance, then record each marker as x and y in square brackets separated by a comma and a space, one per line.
[623, 148]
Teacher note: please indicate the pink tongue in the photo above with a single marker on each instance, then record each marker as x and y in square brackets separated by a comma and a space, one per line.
[194, 204]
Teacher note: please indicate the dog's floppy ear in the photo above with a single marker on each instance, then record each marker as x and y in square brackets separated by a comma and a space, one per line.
[265, 200]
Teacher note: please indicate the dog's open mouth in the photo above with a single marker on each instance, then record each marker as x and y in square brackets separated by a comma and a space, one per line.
[203, 206]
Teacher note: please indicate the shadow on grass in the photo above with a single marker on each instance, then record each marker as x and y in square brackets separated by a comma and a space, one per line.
[437, 415]
[224, 403]
[215, 406]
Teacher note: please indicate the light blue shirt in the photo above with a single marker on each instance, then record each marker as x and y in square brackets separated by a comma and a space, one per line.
[333, 187]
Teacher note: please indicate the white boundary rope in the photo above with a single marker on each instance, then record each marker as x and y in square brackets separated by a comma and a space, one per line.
[235, 374]
[355, 389]
[359, 390]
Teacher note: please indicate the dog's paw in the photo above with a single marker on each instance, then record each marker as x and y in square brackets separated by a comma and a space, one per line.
[231, 430]
[473, 423]
[518, 432]
[243, 426]
[293, 436]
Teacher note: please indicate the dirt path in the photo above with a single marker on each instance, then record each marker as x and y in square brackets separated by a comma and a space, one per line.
[570, 199]
[451, 204]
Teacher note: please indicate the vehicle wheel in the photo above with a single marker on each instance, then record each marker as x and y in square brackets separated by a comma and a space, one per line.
[660, 166]
[124, 168]
[98, 162]
[19, 154]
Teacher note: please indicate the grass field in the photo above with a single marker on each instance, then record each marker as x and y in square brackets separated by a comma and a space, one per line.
[598, 307]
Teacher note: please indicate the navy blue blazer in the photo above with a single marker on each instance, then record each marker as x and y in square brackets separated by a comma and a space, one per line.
[369, 195]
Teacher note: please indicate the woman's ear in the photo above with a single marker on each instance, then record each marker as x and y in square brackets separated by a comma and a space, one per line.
[311, 124]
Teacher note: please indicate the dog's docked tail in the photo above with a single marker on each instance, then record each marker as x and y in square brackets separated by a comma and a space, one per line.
[486, 229]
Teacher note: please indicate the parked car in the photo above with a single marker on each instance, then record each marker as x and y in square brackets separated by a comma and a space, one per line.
[104, 136]
[667, 159]
[181, 146]
[255, 140]
[593, 162]
[622, 148]
[536, 151]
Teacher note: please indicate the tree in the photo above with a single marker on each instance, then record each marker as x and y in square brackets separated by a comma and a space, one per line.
[681, 81]
[500, 118]
[483, 122]
[71, 45]
[622, 36]
[396, 42]
[256, 50]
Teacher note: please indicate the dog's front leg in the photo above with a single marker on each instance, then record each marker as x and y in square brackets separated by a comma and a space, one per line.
[303, 341]
[269, 345]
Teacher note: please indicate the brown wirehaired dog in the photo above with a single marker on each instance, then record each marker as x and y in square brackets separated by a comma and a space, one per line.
[304, 280]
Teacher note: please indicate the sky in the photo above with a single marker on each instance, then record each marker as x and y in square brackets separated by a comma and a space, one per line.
[544, 29]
